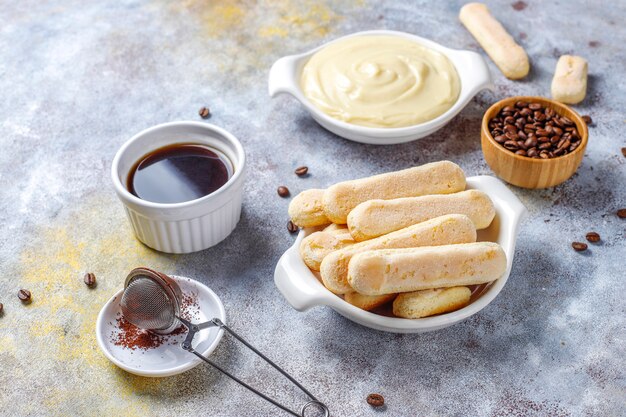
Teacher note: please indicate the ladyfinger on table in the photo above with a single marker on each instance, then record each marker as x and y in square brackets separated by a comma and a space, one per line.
[316, 246]
[569, 84]
[306, 210]
[418, 304]
[495, 40]
[435, 178]
[368, 302]
[444, 230]
[378, 217]
[389, 271]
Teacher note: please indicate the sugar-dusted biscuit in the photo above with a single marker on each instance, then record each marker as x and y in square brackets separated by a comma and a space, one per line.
[418, 304]
[306, 210]
[435, 178]
[569, 84]
[317, 245]
[368, 302]
[389, 271]
[495, 40]
[444, 230]
[377, 217]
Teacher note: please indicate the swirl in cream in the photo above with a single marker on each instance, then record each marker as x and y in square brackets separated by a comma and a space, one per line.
[380, 81]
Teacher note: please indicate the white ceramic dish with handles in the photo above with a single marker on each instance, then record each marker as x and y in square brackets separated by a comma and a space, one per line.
[471, 67]
[303, 290]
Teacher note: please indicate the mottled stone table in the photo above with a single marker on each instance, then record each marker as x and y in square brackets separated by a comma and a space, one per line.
[77, 79]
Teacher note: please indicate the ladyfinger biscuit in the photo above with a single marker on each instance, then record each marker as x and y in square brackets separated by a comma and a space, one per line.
[317, 245]
[368, 302]
[378, 217]
[569, 84]
[335, 227]
[444, 230]
[435, 178]
[389, 271]
[305, 210]
[495, 40]
[414, 305]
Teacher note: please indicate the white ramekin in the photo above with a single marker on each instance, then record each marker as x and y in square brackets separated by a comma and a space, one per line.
[284, 78]
[192, 225]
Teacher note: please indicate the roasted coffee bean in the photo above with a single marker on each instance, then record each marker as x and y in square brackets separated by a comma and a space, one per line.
[375, 400]
[500, 139]
[566, 121]
[621, 213]
[530, 143]
[534, 106]
[521, 152]
[509, 109]
[579, 246]
[511, 145]
[90, 279]
[204, 112]
[531, 152]
[521, 104]
[24, 296]
[624, 151]
[543, 139]
[521, 134]
[511, 135]
[300, 171]
[593, 237]
[509, 120]
[544, 155]
[545, 146]
[1, 308]
[283, 191]
[292, 227]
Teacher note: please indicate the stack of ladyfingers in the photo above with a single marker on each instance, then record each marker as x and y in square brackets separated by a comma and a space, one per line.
[407, 236]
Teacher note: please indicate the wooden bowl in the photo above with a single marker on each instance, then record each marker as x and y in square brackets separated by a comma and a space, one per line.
[527, 172]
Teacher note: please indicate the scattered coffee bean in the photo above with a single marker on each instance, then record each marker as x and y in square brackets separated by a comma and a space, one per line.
[587, 119]
[300, 171]
[579, 246]
[621, 213]
[292, 227]
[624, 151]
[24, 296]
[536, 130]
[593, 237]
[204, 112]
[1, 308]
[283, 191]
[375, 400]
[90, 279]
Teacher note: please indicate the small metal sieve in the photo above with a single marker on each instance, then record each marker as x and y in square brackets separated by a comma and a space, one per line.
[152, 301]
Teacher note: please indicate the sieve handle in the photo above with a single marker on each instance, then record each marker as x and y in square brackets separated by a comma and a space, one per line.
[186, 345]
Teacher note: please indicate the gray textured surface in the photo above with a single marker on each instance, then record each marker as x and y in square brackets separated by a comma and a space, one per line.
[79, 78]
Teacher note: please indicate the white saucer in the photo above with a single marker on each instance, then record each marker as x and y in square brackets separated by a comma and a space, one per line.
[169, 358]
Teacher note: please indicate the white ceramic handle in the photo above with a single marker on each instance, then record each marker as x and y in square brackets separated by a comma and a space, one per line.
[282, 76]
[299, 294]
[477, 66]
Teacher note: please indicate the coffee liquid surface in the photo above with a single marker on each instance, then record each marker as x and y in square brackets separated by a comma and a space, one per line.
[179, 173]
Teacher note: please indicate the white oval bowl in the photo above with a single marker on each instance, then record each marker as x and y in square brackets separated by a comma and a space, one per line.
[284, 78]
[169, 358]
[302, 289]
